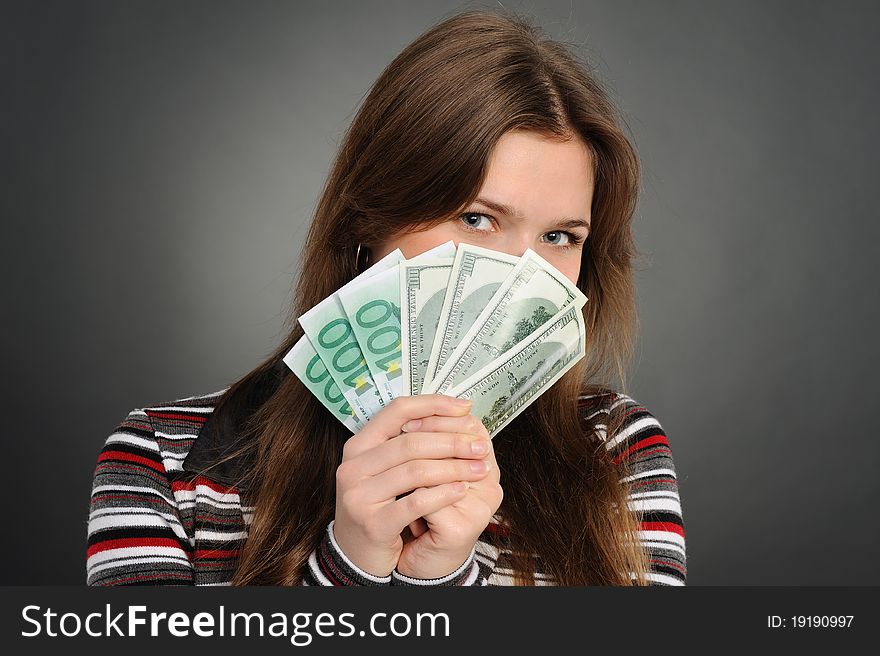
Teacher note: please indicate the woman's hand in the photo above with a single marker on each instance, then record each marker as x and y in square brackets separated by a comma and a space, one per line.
[380, 463]
[443, 539]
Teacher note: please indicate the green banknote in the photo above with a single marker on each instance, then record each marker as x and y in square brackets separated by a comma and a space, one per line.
[305, 362]
[467, 322]
[331, 334]
[422, 288]
[533, 292]
[507, 385]
[373, 309]
[476, 275]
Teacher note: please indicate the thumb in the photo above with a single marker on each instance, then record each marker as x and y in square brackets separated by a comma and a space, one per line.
[418, 527]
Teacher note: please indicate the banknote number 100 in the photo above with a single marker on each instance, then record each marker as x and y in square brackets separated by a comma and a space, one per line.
[368, 318]
[356, 363]
[331, 389]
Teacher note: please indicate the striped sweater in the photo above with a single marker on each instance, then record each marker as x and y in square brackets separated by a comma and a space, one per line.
[155, 521]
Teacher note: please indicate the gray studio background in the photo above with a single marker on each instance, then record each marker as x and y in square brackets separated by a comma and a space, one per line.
[161, 161]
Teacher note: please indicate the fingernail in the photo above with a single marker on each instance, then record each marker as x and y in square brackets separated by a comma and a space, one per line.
[462, 402]
[459, 486]
[479, 447]
[479, 466]
[411, 425]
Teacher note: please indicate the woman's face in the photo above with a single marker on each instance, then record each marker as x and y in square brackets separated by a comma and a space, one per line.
[537, 195]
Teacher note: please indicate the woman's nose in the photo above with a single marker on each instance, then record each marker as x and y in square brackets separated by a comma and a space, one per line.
[515, 243]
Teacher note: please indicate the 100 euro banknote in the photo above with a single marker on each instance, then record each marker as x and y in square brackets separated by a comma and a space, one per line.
[327, 328]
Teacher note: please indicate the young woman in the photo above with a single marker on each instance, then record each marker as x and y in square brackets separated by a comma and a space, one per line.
[483, 132]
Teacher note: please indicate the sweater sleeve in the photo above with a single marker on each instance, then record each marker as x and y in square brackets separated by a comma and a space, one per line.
[652, 487]
[328, 565]
[468, 573]
[135, 535]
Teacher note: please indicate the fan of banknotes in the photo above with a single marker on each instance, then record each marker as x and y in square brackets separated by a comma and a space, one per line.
[468, 322]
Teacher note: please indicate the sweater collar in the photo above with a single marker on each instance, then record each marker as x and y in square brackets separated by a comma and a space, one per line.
[220, 434]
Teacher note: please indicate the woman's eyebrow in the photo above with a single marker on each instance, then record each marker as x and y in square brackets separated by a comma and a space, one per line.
[507, 210]
[574, 223]
[501, 208]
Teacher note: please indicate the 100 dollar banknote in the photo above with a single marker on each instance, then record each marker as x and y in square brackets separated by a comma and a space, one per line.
[423, 285]
[507, 386]
[476, 275]
[422, 288]
[532, 293]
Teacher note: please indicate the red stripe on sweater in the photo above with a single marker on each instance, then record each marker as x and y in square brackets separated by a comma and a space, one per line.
[648, 441]
[151, 577]
[633, 410]
[497, 529]
[336, 578]
[131, 543]
[217, 554]
[130, 457]
[669, 563]
[201, 419]
[669, 527]
[190, 486]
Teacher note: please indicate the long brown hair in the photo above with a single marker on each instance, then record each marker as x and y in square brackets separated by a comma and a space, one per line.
[416, 154]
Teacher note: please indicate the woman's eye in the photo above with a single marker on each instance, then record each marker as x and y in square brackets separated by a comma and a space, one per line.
[476, 221]
[557, 238]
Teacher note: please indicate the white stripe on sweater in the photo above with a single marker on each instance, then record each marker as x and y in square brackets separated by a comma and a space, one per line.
[651, 472]
[471, 577]
[341, 554]
[316, 570]
[633, 428]
[180, 408]
[671, 505]
[177, 436]
[134, 552]
[127, 562]
[661, 536]
[499, 577]
[669, 494]
[127, 438]
[475, 572]
[620, 400]
[219, 536]
[663, 578]
[189, 501]
[129, 520]
[175, 457]
[214, 495]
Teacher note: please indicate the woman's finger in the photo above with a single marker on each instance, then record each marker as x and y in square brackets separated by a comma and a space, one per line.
[423, 501]
[420, 446]
[418, 527]
[414, 474]
[444, 424]
[387, 423]
[476, 505]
